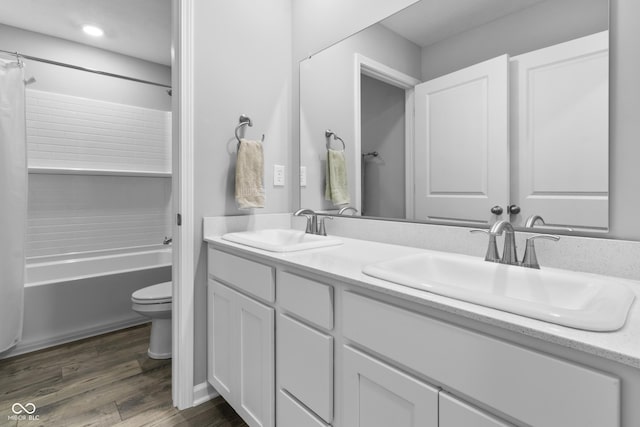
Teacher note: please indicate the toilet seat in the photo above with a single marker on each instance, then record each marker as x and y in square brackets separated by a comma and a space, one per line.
[154, 294]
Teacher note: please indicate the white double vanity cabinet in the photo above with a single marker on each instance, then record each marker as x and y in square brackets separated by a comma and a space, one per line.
[299, 339]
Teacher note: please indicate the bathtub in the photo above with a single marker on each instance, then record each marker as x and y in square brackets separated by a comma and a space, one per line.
[54, 269]
[74, 296]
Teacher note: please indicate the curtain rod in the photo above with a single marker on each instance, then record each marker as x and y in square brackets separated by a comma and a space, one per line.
[89, 70]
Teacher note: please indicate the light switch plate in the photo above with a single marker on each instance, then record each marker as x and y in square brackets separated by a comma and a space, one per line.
[278, 175]
[303, 176]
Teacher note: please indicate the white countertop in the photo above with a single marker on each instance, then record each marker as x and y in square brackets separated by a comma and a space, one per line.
[345, 262]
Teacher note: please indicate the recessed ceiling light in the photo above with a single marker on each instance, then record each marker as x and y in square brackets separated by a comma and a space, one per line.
[92, 30]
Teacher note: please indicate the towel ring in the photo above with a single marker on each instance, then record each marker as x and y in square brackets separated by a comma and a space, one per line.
[328, 133]
[244, 121]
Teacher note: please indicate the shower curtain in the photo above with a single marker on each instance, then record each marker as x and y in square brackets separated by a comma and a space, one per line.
[13, 196]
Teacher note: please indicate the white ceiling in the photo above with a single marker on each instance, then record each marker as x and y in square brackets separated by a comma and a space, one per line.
[139, 28]
[429, 21]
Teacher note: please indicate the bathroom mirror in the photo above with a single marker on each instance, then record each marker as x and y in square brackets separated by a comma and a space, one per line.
[464, 112]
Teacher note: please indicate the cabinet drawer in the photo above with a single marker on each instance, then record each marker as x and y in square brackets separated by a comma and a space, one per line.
[293, 414]
[252, 277]
[305, 365]
[311, 300]
[537, 389]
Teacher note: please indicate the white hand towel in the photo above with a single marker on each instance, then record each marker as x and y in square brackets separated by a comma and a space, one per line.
[249, 175]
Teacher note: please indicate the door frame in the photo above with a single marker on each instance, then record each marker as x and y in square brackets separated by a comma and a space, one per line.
[182, 322]
[386, 74]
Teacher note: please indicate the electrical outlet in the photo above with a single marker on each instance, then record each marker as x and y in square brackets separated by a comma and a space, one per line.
[303, 176]
[278, 175]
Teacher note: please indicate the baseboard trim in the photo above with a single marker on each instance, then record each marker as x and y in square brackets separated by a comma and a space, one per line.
[28, 347]
[203, 392]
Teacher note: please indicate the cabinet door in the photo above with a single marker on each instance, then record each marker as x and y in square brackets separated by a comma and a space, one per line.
[455, 413]
[241, 353]
[221, 343]
[561, 132]
[461, 144]
[378, 395]
[255, 356]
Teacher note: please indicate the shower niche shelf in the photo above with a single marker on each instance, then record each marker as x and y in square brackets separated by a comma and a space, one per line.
[106, 172]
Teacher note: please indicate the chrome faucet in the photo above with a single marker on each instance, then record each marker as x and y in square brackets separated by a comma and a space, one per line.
[313, 225]
[346, 209]
[509, 255]
[531, 221]
[537, 219]
[312, 219]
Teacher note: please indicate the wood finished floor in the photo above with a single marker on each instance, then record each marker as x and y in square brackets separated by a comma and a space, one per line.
[106, 380]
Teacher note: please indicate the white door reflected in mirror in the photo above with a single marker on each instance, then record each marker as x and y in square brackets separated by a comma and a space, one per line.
[557, 140]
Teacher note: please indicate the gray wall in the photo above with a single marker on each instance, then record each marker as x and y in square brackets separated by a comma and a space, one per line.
[52, 78]
[311, 33]
[382, 120]
[563, 20]
[327, 87]
[242, 65]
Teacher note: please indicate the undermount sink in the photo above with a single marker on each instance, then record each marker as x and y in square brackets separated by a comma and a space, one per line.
[578, 300]
[281, 240]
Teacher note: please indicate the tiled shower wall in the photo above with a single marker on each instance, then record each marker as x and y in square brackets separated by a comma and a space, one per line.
[74, 210]
[71, 132]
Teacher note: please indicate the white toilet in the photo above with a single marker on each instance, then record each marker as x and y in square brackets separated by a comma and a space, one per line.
[155, 302]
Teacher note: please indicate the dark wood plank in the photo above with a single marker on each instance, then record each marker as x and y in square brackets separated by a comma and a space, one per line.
[101, 381]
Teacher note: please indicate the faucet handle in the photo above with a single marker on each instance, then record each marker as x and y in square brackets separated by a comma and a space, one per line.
[322, 230]
[530, 259]
[492, 249]
[479, 230]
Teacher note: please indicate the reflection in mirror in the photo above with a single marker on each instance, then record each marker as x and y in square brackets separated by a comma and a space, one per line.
[465, 112]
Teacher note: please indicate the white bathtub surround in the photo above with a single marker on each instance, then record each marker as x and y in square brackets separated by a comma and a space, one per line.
[79, 213]
[54, 269]
[75, 296]
[70, 132]
[13, 193]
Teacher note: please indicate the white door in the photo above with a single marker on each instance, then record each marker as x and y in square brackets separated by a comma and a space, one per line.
[378, 395]
[455, 413]
[461, 159]
[561, 132]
